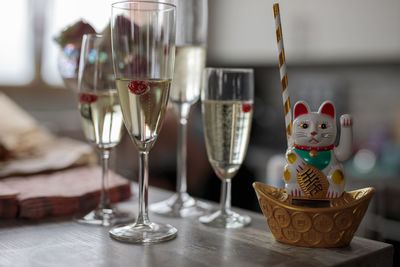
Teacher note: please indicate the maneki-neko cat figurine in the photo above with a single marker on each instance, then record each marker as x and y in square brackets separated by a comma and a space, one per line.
[314, 169]
[313, 210]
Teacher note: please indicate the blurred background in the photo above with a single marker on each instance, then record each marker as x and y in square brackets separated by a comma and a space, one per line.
[344, 51]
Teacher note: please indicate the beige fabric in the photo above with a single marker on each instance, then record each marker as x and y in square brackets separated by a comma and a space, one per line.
[33, 149]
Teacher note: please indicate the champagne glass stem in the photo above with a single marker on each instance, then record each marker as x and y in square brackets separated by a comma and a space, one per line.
[182, 110]
[181, 204]
[226, 196]
[181, 182]
[104, 195]
[143, 218]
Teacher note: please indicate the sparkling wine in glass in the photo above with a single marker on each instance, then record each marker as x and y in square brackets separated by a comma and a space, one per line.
[143, 41]
[227, 110]
[190, 57]
[101, 117]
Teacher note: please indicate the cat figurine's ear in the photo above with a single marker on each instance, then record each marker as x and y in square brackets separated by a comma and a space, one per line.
[327, 108]
[301, 108]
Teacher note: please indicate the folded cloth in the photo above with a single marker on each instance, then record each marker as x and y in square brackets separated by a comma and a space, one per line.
[63, 192]
[56, 154]
[27, 148]
[20, 134]
[8, 202]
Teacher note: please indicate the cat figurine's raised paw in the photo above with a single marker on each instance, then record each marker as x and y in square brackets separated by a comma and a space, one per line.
[314, 168]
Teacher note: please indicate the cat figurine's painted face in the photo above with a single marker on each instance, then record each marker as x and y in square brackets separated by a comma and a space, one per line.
[314, 129]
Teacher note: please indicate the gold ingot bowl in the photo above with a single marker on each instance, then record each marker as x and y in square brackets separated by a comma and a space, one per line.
[323, 227]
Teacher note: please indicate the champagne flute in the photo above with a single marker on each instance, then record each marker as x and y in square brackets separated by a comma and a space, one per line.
[143, 41]
[190, 53]
[227, 109]
[101, 117]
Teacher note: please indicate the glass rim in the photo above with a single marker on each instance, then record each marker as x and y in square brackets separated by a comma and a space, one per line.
[120, 4]
[96, 35]
[224, 69]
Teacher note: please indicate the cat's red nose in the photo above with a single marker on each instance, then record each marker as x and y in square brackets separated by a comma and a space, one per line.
[313, 133]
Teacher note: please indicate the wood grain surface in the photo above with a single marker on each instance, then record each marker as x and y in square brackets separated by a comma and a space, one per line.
[62, 242]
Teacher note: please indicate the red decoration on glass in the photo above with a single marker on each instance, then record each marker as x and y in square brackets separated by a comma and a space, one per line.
[138, 87]
[246, 107]
[87, 98]
[166, 50]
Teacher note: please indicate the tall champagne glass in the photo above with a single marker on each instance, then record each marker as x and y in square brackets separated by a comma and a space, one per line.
[143, 38]
[227, 109]
[101, 116]
[190, 53]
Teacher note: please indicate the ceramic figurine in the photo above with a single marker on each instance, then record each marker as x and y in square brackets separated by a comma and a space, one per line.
[313, 210]
[314, 169]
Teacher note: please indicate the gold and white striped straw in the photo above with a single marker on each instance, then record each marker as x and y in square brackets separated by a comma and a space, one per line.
[283, 74]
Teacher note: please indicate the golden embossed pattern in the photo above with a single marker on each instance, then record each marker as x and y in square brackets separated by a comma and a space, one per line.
[313, 227]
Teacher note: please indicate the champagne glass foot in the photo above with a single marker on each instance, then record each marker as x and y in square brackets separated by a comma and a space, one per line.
[104, 217]
[180, 205]
[227, 219]
[143, 233]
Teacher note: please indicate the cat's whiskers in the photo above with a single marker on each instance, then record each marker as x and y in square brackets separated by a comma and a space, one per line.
[327, 135]
[301, 134]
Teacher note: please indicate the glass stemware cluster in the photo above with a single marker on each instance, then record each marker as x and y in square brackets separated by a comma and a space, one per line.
[134, 87]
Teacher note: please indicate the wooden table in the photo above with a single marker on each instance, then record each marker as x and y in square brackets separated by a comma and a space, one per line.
[62, 242]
